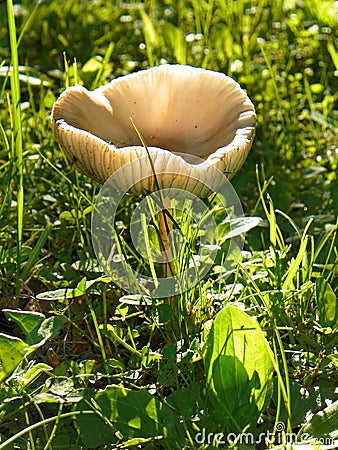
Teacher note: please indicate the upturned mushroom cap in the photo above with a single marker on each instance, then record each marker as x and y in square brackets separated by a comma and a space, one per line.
[177, 109]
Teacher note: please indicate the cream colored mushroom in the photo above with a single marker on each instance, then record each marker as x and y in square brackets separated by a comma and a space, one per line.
[177, 109]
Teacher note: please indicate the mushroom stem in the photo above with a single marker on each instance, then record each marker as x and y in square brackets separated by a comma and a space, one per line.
[165, 228]
[168, 268]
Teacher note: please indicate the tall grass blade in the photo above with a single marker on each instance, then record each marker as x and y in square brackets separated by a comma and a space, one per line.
[30, 20]
[16, 144]
[151, 37]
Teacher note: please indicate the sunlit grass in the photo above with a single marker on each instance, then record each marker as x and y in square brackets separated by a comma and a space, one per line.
[16, 155]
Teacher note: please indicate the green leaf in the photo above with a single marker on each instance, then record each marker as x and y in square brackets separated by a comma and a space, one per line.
[28, 321]
[294, 265]
[186, 400]
[37, 330]
[57, 294]
[36, 327]
[163, 313]
[92, 65]
[50, 327]
[326, 302]
[240, 226]
[238, 365]
[34, 255]
[74, 396]
[62, 294]
[60, 385]
[114, 365]
[134, 414]
[47, 397]
[305, 400]
[136, 299]
[226, 370]
[33, 372]
[176, 39]
[322, 425]
[151, 33]
[12, 351]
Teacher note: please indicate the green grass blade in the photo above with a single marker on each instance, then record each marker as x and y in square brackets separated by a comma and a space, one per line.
[105, 61]
[17, 133]
[295, 263]
[30, 21]
[34, 256]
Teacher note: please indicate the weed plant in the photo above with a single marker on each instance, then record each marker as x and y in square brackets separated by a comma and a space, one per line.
[85, 365]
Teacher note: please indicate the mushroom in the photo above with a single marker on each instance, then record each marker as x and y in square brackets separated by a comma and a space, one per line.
[171, 127]
[179, 111]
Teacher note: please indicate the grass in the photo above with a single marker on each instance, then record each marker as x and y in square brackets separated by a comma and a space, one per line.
[96, 367]
[16, 143]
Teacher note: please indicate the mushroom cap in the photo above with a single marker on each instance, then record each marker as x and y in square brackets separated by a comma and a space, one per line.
[179, 111]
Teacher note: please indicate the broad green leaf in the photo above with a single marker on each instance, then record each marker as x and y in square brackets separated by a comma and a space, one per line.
[28, 321]
[12, 351]
[238, 365]
[60, 385]
[326, 302]
[134, 414]
[50, 327]
[48, 397]
[187, 400]
[65, 438]
[322, 425]
[78, 291]
[226, 369]
[36, 327]
[163, 313]
[57, 294]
